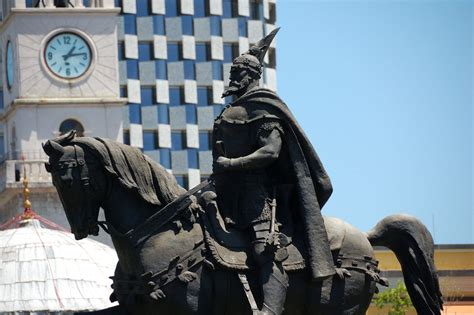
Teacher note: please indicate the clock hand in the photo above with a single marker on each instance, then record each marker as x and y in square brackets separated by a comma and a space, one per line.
[66, 56]
[78, 54]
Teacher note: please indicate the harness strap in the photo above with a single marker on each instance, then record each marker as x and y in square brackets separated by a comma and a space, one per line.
[142, 232]
[84, 173]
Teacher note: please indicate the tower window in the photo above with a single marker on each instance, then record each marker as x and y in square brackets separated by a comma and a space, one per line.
[256, 9]
[187, 24]
[216, 27]
[204, 96]
[231, 51]
[202, 52]
[200, 8]
[71, 124]
[178, 140]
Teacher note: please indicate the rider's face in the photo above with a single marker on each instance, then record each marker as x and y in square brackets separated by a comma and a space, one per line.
[237, 74]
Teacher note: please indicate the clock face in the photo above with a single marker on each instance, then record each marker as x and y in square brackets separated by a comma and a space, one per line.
[9, 64]
[67, 55]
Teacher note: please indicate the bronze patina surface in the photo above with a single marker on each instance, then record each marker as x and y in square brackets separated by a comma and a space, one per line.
[251, 239]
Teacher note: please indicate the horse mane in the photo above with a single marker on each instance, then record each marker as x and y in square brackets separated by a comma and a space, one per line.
[133, 169]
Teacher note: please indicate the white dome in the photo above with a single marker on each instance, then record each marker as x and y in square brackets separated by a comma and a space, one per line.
[48, 270]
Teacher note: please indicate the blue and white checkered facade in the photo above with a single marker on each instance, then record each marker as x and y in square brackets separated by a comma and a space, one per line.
[174, 59]
[174, 62]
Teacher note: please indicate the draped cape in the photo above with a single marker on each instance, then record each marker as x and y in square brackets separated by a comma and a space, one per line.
[312, 182]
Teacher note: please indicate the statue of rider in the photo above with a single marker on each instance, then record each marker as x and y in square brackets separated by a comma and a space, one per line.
[263, 161]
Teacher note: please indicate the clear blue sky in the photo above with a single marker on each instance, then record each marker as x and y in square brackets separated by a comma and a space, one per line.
[384, 90]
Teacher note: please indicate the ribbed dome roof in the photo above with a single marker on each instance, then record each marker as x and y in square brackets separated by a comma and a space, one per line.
[48, 270]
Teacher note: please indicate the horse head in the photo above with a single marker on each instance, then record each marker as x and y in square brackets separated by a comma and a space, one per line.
[70, 166]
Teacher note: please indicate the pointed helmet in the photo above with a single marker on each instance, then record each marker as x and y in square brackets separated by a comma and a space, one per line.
[253, 59]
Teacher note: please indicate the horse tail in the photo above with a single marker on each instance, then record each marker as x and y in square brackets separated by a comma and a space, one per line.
[413, 245]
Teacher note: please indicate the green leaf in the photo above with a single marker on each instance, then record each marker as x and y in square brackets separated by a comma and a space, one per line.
[397, 299]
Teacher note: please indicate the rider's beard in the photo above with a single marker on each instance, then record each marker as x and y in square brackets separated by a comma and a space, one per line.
[236, 88]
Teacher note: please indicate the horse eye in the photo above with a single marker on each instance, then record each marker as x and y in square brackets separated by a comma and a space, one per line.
[67, 179]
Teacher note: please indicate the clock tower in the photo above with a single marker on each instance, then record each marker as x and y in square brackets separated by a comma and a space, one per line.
[59, 72]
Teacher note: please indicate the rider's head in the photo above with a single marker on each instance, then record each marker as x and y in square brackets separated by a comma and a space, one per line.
[245, 73]
[246, 69]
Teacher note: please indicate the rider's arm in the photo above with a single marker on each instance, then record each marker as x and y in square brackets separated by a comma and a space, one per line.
[270, 143]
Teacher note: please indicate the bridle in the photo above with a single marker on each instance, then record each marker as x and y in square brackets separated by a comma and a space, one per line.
[79, 162]
[138, 234]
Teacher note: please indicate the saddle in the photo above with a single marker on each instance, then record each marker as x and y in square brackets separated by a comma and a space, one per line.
[231, 249]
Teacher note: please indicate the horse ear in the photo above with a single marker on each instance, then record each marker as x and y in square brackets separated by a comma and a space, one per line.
[66, 138]
[52, 148]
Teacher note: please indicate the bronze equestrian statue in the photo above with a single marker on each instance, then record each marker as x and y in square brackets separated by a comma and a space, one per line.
[251, 240]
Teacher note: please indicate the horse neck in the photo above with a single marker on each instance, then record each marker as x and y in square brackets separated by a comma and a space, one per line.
[124, 209]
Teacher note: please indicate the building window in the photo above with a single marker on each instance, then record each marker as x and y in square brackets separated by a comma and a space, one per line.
[216, 26]
[203, 94]
[71, 124]
[176, 96]
[182, 181]
[174, 52]
[242, 26]
[150, 140]
[191, 117]
[229, 8]
[272, 11]
[134, 113]
[200, 8]
[165, 158]
[163, 114]
[217, 109]
[126, 137]
[205, 140]
[161, 69]
[228, 99]
[123, 92]
[187, 24]
[145, 52]
[217, 70]
[189, 72]
[178, 140]
[193, 158]
[130, 24]
[147, 96]
[132, 69]
[158, 25]
[143, 8]
[121, 51]
[231, 51]
[271, 58]
[202, 52]
[256, 9]
[171, 7]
